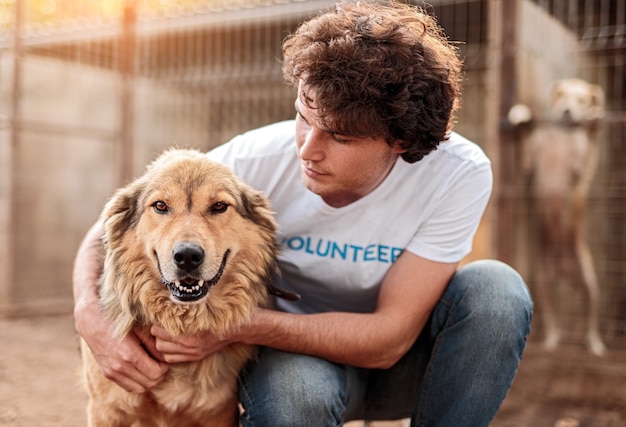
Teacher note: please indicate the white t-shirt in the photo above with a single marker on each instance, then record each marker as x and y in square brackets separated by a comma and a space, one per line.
[336, 258]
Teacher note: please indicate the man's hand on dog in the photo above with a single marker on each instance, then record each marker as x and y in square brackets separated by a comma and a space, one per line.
[126, 361]
[186, 348]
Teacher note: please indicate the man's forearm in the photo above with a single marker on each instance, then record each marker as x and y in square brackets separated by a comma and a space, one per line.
[364, 340]
[88, 267]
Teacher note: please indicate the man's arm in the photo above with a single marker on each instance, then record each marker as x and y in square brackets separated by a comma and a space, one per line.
[122, 360]
[408, 295]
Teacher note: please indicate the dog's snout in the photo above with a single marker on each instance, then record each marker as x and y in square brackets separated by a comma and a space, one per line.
[188, 256]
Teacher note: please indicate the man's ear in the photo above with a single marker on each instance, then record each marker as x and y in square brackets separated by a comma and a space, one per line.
[397, 147]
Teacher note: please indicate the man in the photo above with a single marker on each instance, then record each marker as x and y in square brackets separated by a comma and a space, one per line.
[377, 201]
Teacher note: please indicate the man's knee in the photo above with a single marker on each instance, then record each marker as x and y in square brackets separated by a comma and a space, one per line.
[286, 389]
[495, 293]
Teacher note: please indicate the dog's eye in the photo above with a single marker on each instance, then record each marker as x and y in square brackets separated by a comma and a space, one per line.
[160, 207]
[218, 207]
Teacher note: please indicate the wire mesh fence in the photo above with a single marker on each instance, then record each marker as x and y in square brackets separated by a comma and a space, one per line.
[91, 91]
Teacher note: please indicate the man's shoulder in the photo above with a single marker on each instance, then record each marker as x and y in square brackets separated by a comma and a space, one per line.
[261, 156]
[464, 149]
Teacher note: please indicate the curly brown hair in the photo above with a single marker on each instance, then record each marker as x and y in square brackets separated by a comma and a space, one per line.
[379, 69]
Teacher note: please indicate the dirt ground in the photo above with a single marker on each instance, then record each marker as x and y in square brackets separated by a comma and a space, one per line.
[40, 382]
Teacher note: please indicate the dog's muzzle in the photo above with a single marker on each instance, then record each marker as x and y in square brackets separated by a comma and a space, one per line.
[191, 289]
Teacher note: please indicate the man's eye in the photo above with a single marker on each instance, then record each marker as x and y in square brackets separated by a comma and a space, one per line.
[160, 207]
[218, 207]
[341, 139]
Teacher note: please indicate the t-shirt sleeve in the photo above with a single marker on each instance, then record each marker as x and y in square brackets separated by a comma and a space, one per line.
[253, 155]
[236, 155]
[225, 153]
[448, 232]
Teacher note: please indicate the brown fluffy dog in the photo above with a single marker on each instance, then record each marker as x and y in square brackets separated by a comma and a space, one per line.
[190, 247]
[562, 153]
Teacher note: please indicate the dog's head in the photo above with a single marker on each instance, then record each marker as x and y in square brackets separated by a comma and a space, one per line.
[576, 102]
[187, 240]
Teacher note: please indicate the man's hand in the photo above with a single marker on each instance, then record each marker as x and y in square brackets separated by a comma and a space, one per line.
[126, 361]
[186, 348]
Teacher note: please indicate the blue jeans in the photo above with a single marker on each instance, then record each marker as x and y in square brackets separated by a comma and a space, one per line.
[456, 375]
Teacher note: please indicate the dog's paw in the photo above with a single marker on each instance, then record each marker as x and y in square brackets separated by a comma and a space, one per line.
[519, 114]
[551, 341]
[567, 422]
[595, 345]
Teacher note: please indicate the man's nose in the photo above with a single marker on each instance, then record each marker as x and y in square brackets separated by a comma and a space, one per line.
[313, 144]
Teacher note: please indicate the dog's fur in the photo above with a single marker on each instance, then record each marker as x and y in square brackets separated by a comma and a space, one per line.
[188, 246]
[562, 153]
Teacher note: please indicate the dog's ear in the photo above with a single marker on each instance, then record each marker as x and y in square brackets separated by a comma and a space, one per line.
[120, 214]
[256, 208]
[122, 211]
[557, 90]
[597, 102]
[274, 288]
[283, 293]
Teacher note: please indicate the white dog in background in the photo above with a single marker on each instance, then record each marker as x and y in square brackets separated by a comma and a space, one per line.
[562, 154]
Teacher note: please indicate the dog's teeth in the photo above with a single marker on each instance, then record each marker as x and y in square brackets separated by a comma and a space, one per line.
[188, 288]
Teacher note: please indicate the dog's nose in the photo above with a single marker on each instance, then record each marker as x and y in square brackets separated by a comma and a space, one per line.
[188, 256]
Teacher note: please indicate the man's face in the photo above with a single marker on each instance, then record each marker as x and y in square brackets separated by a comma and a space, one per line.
[339, 168]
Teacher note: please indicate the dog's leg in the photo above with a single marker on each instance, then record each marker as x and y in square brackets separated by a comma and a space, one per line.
[590, 279]
[549, 262]
[583, 252]
[546, 281]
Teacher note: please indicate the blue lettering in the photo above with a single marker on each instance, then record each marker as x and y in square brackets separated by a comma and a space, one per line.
[308, 249]
[319, 251]
[298, 240]
[356, 252]
[329, 248]
[342, 251]
[370, 253]
[383, 254]
[395, 253]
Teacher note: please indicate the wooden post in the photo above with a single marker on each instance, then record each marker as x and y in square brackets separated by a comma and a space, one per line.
[505, 170]
[127, 74]
[8, 167]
